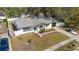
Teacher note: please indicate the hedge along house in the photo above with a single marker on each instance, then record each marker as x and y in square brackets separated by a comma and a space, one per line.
[27, 24]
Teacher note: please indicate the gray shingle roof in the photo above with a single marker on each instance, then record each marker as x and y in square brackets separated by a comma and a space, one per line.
[29, 22]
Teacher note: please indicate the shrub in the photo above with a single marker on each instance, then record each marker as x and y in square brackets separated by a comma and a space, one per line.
[41, 30]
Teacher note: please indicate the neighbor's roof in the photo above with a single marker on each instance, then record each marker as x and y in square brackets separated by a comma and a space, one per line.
[2, 13]
[28, 22]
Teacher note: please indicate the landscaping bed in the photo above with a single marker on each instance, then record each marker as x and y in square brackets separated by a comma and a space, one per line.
[69, 47]
[32, 42]
[44, 31]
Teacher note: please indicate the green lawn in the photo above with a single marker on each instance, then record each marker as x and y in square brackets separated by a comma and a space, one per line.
[36, 43]
[5, 24]
[10, 25]
[69, 47]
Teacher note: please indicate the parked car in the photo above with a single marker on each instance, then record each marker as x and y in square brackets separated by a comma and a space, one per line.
[71, 30]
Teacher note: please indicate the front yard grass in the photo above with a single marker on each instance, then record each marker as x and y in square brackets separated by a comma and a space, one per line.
[36, 43]
[69, 47]
[10, 25]
[5, 24]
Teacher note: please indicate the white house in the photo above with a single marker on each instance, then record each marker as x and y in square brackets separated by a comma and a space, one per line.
[28, 24]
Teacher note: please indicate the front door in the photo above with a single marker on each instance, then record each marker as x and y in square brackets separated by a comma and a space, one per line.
[53, 24]
[34, 28]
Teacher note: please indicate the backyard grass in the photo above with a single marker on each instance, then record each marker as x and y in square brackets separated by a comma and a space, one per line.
[69, 47]
[36, 43]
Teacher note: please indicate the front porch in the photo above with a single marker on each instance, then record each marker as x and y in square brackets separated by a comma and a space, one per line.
[44, 28]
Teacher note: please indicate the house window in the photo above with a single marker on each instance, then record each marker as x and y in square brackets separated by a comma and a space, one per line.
[41, 26]
[53, 24]
[26, 29]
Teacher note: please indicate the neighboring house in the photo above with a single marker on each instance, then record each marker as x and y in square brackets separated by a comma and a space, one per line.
[2, 15]
[26, 25]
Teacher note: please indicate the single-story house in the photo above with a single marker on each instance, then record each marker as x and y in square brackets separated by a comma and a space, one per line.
[28, 24]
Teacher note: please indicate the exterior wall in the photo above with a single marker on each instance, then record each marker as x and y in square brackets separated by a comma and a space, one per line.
[37, 29]
[48, 27]
[60, 24]
[19, 32]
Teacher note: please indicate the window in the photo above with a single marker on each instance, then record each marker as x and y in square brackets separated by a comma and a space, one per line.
[26, 29]
[53, 24]
[41, 26]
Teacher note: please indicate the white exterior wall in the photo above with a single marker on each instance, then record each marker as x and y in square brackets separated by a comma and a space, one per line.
[46, 28]
[60, 24]
[49, 26]
[19, 32]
